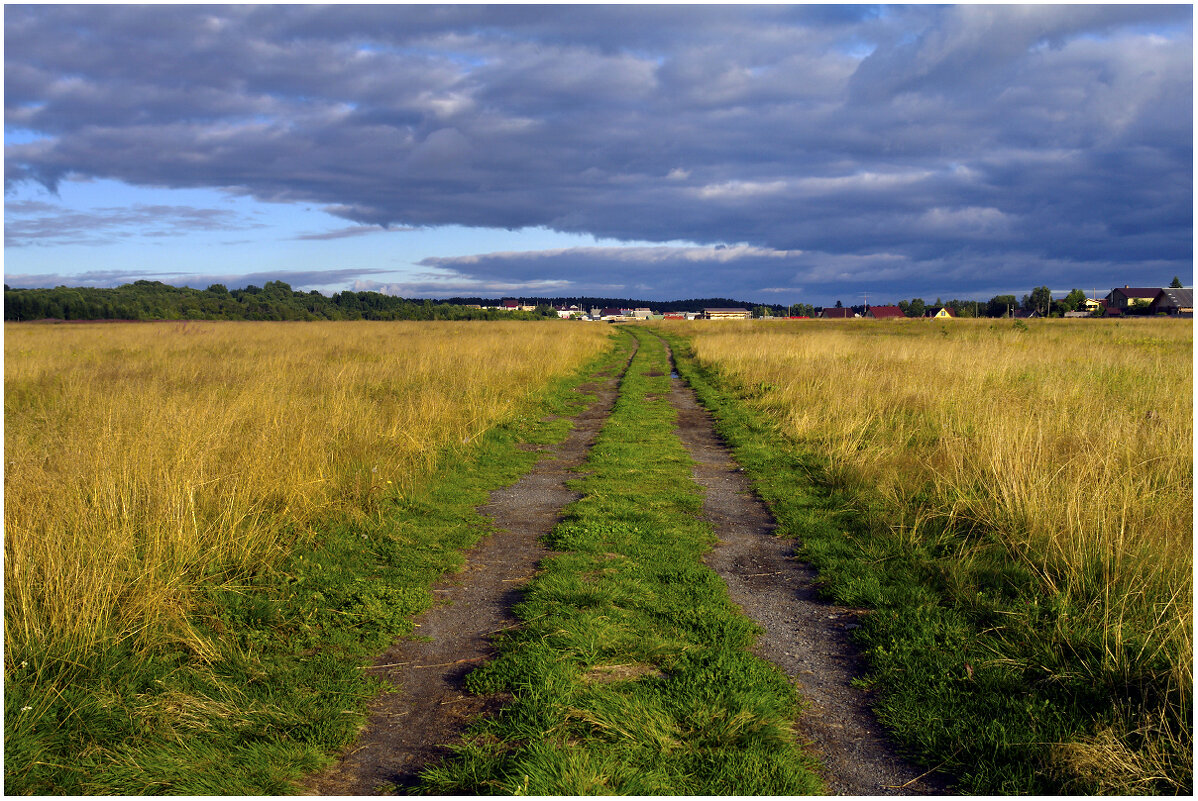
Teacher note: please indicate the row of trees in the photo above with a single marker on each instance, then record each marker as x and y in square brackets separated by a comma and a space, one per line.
[154, 300]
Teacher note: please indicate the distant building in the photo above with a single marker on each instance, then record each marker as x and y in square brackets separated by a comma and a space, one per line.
[1126, 296]
[674, 316]
[884, 312]
[727, 314]
[944, 312]
[832, 313]
[1178, 302]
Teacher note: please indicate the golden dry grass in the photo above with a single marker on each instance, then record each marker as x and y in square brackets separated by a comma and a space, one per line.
[1071, 441]
[142, 460]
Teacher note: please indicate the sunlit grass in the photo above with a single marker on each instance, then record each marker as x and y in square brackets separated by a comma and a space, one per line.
[143, 461]
[1068, 442]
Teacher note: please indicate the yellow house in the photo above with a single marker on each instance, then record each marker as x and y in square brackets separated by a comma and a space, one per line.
[727, 314]
[943, 313]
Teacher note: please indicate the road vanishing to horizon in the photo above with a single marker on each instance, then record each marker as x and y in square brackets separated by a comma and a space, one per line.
[276, 522]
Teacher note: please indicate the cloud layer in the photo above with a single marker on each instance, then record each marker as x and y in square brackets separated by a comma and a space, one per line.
[932, 145]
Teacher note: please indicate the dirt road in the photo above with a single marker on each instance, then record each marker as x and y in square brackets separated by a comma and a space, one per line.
[807, 638]
[407, 728]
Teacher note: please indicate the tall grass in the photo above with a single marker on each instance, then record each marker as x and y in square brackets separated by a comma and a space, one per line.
[1070, 443]
[145, 461]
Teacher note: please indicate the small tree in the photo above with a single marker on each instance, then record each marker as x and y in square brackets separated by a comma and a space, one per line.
[1073, 300]
[1040, 300]
[999, 305]
[1175, 283]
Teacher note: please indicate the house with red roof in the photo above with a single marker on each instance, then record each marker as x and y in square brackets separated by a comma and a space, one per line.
[1126, 296]
[884, 312]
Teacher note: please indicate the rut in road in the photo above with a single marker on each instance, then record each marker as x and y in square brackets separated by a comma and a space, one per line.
[805, 636]
[408, 728]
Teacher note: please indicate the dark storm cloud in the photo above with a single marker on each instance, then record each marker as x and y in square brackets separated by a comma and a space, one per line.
[756, 274]
[1038, 136]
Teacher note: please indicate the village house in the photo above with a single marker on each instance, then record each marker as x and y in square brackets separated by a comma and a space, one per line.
[727, 314]
[944, 312]
[1175, 302]
[833, 313]
[1125, 297]
[884, 312]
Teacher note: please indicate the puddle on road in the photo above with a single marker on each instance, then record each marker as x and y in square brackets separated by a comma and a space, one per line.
[674, 374]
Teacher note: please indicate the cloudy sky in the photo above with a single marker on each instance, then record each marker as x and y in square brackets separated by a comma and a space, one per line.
[769, 154]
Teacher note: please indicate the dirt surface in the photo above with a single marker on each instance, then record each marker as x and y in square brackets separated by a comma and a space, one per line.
[806, 637]
[407, 728]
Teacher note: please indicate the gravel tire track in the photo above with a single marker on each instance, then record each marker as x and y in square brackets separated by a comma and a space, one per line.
[407, 728]
[805, 636]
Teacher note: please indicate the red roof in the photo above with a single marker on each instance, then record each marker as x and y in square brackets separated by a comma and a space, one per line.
[884, 312]
[1136, 292]
[836, 314]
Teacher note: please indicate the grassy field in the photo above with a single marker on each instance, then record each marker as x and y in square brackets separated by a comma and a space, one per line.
[632, 674]
[1017, 499]
[185, 504]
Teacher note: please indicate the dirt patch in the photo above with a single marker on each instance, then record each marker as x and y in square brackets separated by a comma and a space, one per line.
[408, 728]
[805, 636]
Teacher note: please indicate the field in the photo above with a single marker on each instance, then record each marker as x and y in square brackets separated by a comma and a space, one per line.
[1039, 479]
[150, 466]
[212, 528]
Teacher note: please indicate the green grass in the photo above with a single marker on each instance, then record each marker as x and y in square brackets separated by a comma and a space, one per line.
[631, 673]
[289, 685]
[973, 669]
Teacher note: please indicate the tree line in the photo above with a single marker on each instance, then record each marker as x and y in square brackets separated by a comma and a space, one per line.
[154, 300]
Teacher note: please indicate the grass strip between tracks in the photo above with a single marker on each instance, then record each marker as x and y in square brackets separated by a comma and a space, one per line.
[289, 684]
[631, 673]
[954, 676]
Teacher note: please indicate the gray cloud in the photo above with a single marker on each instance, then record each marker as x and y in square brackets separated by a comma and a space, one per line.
[351, 231]
[760, 274]
[40, 223]
[303, 280]
[1037, 136]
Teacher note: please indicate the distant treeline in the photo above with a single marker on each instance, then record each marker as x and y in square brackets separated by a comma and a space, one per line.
[154, 300]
